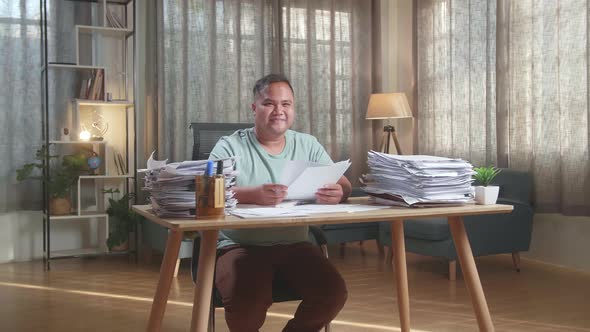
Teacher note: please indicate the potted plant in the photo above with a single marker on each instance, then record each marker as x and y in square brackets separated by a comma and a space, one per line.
[121, 220]
[484, 193]
[62, 176]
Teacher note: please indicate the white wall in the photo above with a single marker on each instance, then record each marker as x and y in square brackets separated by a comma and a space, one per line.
[561, 240]
[21, 235]
[397, 62]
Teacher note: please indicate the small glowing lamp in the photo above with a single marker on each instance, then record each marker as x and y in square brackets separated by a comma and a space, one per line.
[85, 135]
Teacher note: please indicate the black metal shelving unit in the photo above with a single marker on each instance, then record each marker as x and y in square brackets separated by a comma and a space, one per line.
[130, 179]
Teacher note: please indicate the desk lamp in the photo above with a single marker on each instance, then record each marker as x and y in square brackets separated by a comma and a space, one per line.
[389, 106]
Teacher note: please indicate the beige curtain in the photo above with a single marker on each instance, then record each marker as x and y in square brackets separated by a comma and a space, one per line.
[456, 79]
[211, 53]
[20, 95]
[535, 117]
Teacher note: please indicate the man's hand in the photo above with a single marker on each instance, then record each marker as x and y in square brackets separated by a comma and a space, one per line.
[329, 194]
[270, 194]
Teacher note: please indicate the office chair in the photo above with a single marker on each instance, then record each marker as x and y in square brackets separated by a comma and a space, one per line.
[206, 135]
[280, 291]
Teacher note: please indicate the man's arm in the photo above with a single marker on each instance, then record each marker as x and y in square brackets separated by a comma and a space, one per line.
[334, 193]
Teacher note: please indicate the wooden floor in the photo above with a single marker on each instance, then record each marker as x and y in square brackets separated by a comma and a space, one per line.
[111, 294]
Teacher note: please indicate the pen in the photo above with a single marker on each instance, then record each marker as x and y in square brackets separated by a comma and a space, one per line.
[207, 175]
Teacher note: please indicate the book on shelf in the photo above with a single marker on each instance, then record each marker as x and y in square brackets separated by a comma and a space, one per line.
[83, 89]
[88, 87]
[114, 20]
[116, 163]
[91, 88]
[97, 86]
[119, 163]
[122, 164]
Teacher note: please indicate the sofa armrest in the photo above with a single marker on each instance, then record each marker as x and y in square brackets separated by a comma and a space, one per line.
[514, 185]
[516, 203]
[501, 233]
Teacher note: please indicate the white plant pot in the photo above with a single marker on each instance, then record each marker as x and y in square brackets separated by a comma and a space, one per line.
[486, 195]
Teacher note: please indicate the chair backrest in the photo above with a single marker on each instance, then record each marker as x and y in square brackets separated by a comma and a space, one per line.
[514, 185]
[206, 135]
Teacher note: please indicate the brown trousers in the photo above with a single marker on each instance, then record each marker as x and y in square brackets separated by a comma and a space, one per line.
[244, 277]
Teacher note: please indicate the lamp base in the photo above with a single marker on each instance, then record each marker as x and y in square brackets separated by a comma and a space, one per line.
[388, 135]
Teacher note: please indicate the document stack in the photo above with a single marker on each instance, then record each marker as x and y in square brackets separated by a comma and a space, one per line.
[172, 186]
[418, 181]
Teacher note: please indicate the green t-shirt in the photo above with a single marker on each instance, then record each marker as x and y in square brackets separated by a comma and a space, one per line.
[257, 167]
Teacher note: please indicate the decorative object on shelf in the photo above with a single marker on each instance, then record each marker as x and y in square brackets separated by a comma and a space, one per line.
[388, 106]
[96, 129]
[60, 206]
[85, 134]
[59, 183]
[109, 96]
[94, 162]
[65, 134]
[121, 220]
[486, 194]
[99, 125]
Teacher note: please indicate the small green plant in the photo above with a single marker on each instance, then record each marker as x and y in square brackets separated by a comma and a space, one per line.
[121, 218]
[62, 175]
[485, 175]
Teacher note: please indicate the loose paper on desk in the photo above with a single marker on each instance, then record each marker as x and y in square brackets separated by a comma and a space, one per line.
[246, 212]
[305, 178]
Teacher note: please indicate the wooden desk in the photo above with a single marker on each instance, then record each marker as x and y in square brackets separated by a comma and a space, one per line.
[209, 230]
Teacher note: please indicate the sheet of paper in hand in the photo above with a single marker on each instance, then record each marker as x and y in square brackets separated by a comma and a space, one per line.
[305, 178]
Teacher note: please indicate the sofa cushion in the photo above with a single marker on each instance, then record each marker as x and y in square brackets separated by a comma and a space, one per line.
[433, 229]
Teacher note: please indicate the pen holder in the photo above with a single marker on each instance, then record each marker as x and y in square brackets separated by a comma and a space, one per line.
[210, 196]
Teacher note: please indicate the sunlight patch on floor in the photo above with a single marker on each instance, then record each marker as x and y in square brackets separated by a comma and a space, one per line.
[187, 304]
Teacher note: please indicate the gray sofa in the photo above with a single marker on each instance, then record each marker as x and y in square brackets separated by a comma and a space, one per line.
[488, 234]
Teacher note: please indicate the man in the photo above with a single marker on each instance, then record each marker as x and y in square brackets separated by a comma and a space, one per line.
[248, 260]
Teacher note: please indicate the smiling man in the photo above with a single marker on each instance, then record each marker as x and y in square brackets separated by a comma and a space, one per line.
[249, 260]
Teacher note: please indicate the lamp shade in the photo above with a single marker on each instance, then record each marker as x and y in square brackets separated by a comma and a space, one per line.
[388, 106]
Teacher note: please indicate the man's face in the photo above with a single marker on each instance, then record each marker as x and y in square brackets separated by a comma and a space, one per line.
[274, 110]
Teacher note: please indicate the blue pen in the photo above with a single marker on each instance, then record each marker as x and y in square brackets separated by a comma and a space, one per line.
[207, 175]
[209, 170]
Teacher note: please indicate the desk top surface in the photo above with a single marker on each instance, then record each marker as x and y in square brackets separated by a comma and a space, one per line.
[389, 214]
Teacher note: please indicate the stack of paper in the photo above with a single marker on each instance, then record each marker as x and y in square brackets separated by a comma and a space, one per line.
[418, 180]
[172, 186]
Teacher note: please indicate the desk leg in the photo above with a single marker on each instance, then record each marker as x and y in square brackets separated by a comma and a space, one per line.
[204, 283]
[478, 299]
[401, 273]
[166, 275]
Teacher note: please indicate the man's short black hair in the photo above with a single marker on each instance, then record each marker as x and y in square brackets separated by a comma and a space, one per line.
[267, 80]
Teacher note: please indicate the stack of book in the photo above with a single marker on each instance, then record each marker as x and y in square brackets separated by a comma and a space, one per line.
[92, 88]
[114, 20]
[418, 181]
[172, 186]
[120, 165]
